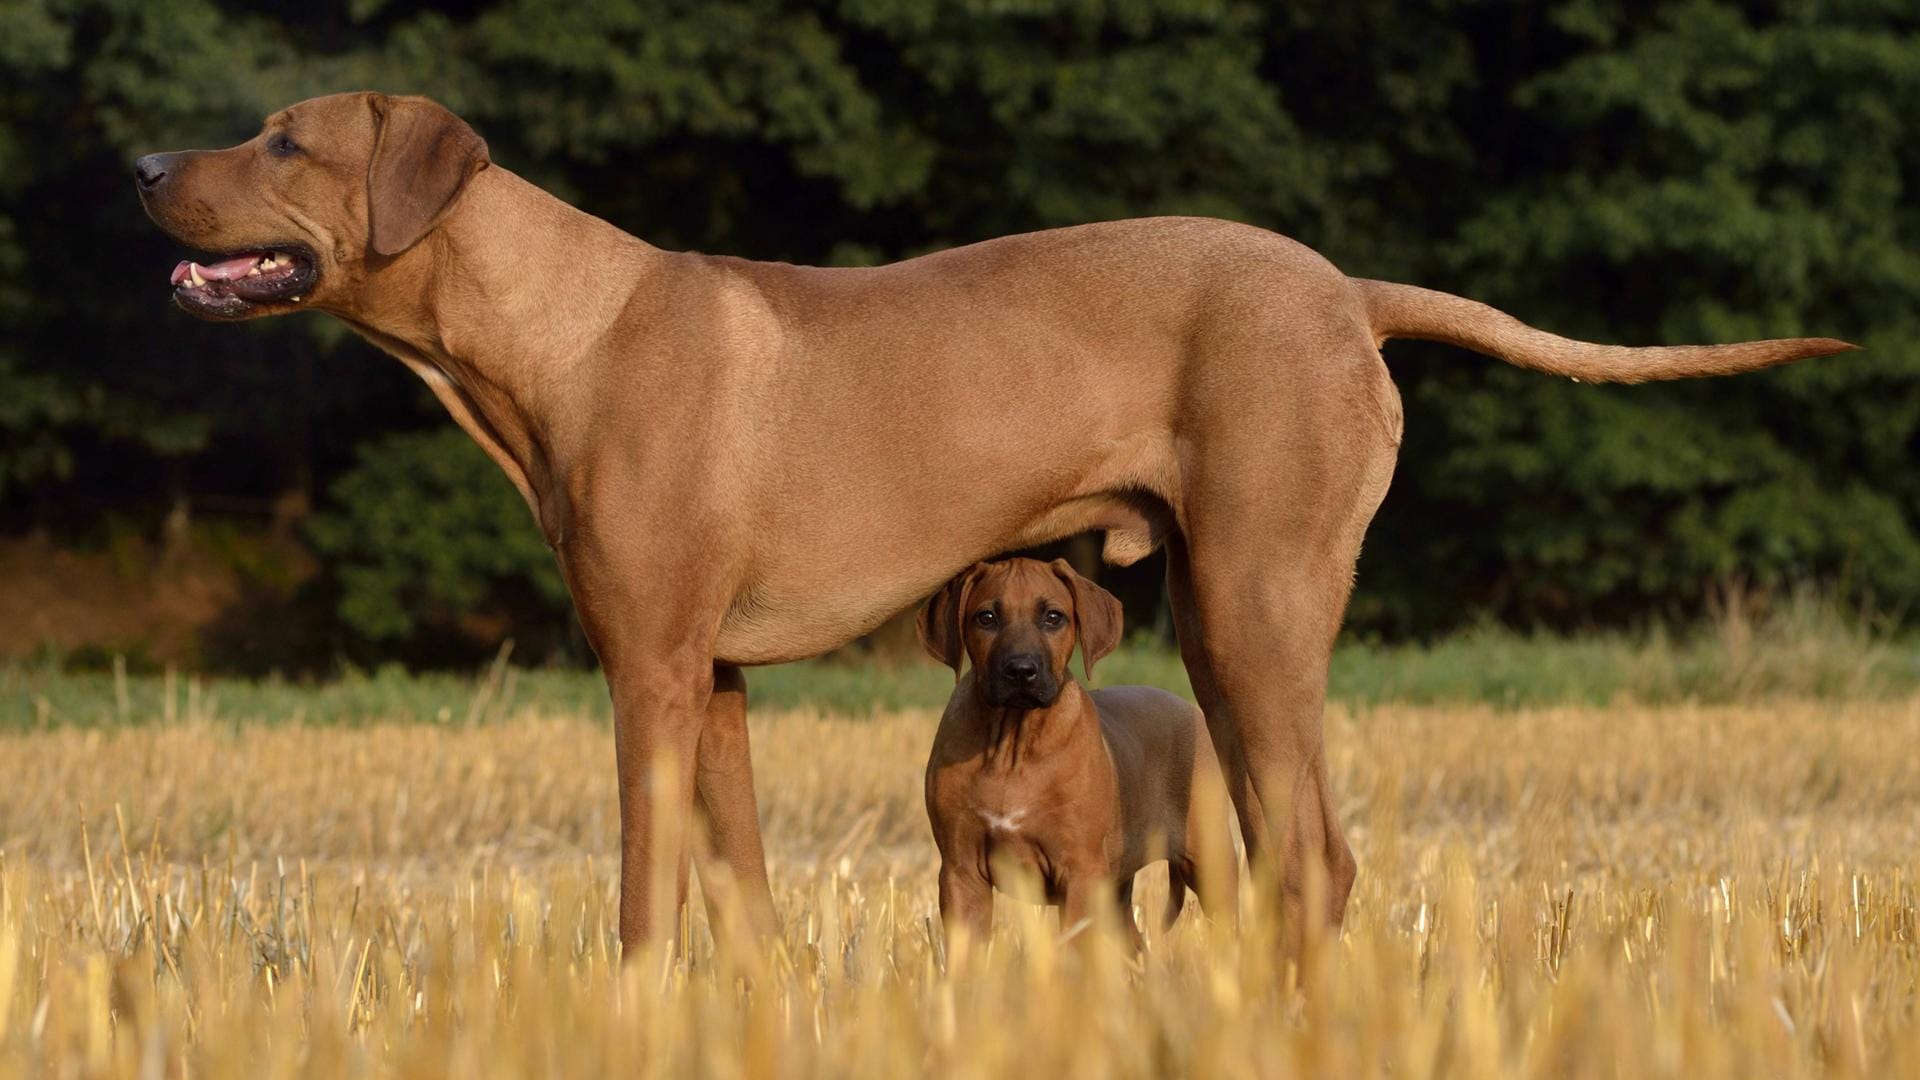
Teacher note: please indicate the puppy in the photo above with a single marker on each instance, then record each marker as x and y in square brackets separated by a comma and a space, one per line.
[1029, 770]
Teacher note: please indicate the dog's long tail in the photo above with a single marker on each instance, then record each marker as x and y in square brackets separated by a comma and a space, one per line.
[1404, 311]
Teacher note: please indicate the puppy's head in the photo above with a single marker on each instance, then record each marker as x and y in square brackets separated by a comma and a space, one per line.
[311, 210]
[1017, 622]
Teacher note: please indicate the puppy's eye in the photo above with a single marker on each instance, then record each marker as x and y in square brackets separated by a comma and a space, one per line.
[282, 145]
[1054, 620]
[985, 620]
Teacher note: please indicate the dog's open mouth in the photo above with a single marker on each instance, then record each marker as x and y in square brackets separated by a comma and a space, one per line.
[240, 285]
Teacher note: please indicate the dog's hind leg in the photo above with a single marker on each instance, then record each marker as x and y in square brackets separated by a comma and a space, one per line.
[1265, 718]
[1280, 493]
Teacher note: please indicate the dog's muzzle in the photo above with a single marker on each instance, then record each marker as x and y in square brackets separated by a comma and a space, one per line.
[1021, 681]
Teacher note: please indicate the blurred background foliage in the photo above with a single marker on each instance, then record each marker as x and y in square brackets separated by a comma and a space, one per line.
[1698, 170]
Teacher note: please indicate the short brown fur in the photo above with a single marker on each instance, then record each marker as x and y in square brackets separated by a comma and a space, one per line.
[744, 463]
[1080, 793]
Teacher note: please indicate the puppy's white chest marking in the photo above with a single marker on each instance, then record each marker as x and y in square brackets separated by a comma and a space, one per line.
[1008, 822]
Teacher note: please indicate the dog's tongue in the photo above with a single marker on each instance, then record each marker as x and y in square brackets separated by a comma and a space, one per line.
[224, 270]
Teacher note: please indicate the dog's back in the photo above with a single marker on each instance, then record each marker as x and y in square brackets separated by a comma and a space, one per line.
[1172, 793]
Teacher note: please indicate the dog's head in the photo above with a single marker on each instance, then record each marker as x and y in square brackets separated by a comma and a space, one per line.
[314, 207]
[1017, 622]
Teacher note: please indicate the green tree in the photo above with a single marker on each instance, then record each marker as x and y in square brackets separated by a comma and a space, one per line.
[1631, 172]
[425, 529]
[1710, 171]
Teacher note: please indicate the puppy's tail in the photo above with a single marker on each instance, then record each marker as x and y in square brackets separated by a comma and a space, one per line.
[1404, 311]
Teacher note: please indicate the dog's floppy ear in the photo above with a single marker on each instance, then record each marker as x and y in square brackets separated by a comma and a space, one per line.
[423, 156]
[942, 619]
[1097, 616]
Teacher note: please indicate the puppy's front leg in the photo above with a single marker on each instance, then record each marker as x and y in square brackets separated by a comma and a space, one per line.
[966, 906]
[1084, 893]
[1123, 906]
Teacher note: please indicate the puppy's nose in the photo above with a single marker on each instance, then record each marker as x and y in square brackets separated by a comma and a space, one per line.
[1021, 669]
[152, 170]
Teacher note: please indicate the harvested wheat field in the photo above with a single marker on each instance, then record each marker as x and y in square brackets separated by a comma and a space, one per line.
[1622, 891]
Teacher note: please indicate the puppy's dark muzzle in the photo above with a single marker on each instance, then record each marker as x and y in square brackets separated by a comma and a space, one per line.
[1021, 681]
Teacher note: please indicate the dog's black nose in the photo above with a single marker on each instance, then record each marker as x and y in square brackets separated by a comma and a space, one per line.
[152, 169]
[1021, 669]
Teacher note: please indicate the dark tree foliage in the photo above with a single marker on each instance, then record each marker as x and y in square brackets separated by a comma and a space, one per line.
[1632, 172]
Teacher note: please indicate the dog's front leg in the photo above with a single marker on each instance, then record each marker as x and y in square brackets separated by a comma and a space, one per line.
[659, 707]
[725, 798]
[1086, 891]
[652, 618]
[966, 907]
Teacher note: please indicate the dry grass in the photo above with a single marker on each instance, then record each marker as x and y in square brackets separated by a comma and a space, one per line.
[1579, 891]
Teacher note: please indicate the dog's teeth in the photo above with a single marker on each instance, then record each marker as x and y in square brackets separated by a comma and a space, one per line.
[297, 299]
[254, 272]
[193, 274]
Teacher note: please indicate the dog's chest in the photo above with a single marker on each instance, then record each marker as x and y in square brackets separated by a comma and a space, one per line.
[1014, 816]
[1002, 806]
[1006, 822]
[1017, 835]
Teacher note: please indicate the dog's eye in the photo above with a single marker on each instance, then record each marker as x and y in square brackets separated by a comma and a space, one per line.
[985, 620]
[282, 145]
[1054, 620]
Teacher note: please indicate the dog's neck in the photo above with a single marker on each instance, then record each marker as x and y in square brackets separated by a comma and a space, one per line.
[495, 305]
[513, 284]
[1011, 737]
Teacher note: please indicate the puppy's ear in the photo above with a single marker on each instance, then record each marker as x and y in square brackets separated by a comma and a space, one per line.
[942, 620]
[1097, 617]
[423, 157]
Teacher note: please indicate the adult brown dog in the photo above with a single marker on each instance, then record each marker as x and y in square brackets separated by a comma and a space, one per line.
[745, 463]
[1030, 771]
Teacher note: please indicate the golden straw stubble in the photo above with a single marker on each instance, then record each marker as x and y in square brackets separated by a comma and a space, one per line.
[1604, 891]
